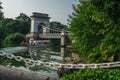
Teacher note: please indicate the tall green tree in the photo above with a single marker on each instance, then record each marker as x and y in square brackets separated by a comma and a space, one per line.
[0, 5]
[23, 17]
[1, 14]
[26, 22]
[14, 26]
[2, 36]
[96, 29]
[2, 31]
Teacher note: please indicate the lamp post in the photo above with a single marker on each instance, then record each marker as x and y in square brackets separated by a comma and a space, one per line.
[63, 39]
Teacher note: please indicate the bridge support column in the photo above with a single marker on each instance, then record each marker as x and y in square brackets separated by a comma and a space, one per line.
[63, 39]
[63, 53]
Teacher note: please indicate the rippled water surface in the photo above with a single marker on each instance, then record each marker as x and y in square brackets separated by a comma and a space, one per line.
[46, 54]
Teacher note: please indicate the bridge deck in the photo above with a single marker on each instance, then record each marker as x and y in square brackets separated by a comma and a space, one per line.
[50, 35]
[47, 35]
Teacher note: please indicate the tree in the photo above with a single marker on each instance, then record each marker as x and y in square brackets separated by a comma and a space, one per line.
[2, 33]
[13, 40]
[1, 6]
[2, 36]
[23, 17]
[96, 29]
[1, 14]
[14, 26]
[25, 21]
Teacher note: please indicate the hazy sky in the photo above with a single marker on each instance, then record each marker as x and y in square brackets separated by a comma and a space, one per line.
[58, 10]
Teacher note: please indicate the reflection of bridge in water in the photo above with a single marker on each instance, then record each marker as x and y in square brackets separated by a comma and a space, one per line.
[51, 54]
[37, 54]
[58, 65]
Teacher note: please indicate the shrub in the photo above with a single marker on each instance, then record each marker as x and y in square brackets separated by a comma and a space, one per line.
[13, 40]
[94, 74]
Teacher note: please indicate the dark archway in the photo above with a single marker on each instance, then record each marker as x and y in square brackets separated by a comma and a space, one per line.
[40, 27]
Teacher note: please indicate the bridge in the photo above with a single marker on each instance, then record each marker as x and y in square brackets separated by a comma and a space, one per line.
[49, 35]
[40, 30]
[44, 33]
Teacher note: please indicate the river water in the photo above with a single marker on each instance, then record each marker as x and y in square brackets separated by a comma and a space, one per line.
[46, 54]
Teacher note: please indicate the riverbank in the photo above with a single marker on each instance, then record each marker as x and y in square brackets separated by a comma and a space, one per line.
[8, 73]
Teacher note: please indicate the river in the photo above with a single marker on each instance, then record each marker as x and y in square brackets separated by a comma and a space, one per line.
[46, 54]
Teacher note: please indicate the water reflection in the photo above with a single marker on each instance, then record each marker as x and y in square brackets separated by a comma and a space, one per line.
[52, 54]
[46, 54]
[62, 53]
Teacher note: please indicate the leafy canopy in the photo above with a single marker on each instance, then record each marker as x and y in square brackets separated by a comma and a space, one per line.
[96, 29]
[13, 40]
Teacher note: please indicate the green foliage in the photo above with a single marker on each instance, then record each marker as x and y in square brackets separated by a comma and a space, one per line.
[25, 22]
[0, 5]
[23, 17]
[13, 39]
[2, 30]
[94, 74]
[21, 24]
[2, 36]
[1, 14]
[96, 29]
[10, 26]
[14, 26]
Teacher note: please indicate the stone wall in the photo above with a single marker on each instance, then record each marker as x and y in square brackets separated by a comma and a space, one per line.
[7, 73]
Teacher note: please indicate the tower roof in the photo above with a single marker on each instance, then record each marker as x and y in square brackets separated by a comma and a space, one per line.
[40, 15]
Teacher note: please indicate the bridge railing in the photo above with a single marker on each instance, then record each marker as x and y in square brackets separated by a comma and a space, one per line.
[50, 35]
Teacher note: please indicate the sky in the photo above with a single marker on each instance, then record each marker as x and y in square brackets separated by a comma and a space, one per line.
[58, 10]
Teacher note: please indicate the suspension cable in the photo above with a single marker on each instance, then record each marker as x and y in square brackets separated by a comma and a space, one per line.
[53, 29]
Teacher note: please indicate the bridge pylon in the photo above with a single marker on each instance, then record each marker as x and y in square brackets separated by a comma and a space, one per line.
[40, 31]
[39, 22]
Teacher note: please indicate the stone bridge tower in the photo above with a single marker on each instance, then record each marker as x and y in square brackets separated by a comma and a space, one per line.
[39, 24]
